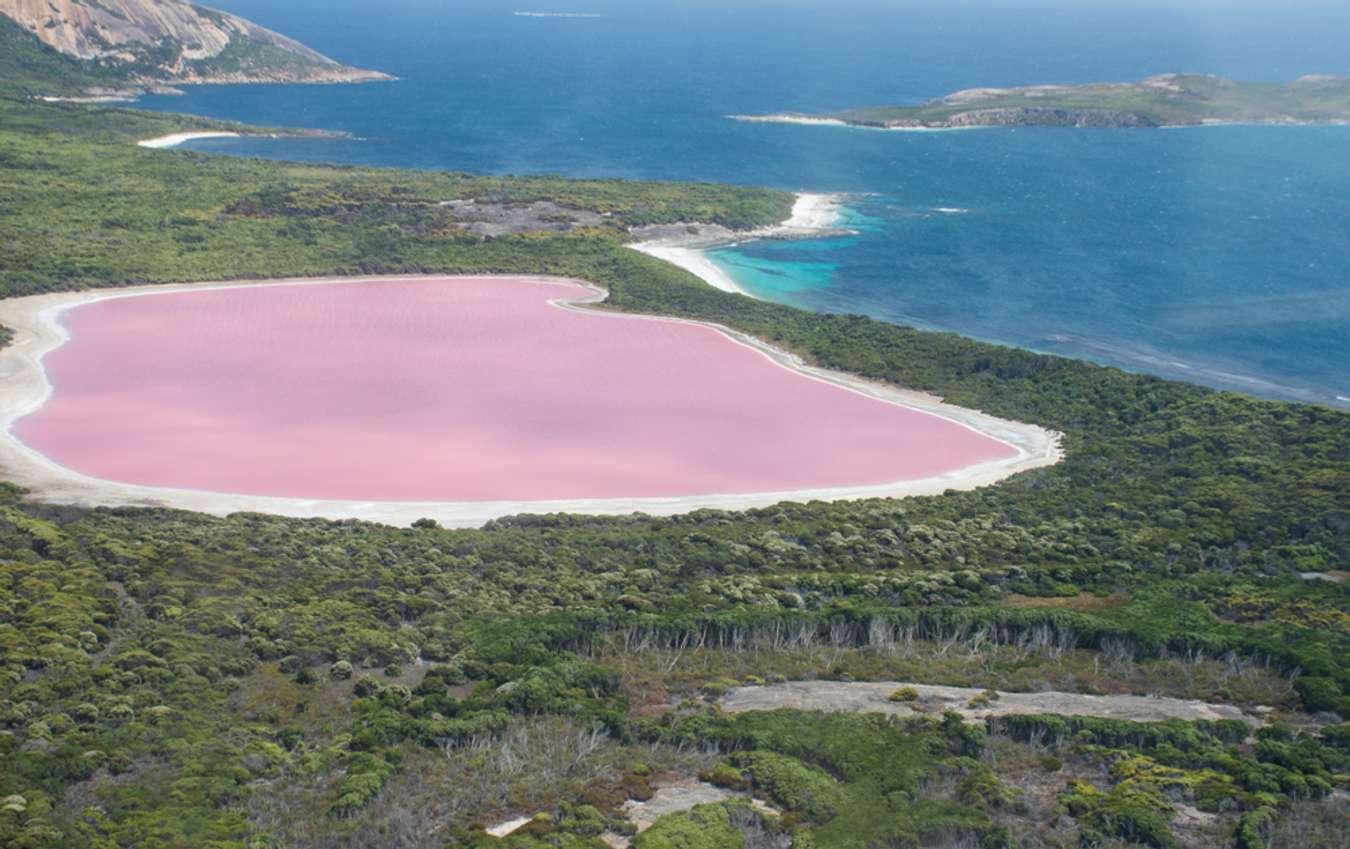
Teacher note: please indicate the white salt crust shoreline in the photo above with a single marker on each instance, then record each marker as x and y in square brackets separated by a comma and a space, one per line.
[37, 330]
[812, 215]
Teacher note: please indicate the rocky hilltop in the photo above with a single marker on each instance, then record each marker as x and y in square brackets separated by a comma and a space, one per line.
[1169, 100]
[154, 41]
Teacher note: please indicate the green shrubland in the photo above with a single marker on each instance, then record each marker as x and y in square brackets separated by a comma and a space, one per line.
[177, 680]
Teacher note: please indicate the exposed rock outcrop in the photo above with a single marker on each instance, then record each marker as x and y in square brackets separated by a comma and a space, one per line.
[175, 41]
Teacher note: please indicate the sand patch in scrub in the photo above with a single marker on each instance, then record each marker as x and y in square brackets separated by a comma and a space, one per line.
[874, 697]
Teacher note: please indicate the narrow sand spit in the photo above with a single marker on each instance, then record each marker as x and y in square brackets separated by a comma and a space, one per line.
[24, 388]
[874, 697]
[813, 216]
[175, 139]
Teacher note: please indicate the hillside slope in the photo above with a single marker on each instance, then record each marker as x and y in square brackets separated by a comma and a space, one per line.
[146, 41]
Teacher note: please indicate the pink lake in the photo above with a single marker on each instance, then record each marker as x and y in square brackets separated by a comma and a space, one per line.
[466, 389]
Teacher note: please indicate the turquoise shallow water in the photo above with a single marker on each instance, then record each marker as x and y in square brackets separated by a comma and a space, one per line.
[1216, 254]
[1221, 260]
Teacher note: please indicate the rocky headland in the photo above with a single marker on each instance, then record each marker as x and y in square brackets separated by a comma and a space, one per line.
[153, 42]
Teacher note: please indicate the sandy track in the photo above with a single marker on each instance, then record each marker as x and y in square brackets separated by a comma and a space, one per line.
[874, 697]
[24, 388]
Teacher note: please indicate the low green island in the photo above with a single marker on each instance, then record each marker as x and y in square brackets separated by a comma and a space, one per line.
[1169, 100]
[170, 680]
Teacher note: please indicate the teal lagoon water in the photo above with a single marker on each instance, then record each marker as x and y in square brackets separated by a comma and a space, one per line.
[1219, 255]
[1223, 261]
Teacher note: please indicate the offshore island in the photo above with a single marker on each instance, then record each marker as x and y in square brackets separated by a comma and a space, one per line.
[1168, 100]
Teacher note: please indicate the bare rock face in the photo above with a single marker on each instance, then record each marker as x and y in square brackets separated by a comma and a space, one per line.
[175, 40]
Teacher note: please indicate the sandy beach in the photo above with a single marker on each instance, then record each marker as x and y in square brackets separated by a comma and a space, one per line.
[175, 139]
[24, 388]
[811, 121]
[696, 262]
[814, 215]
[789, 119]
[93, 98]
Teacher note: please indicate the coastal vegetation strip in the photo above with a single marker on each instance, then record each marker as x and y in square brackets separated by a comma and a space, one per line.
[1169, 100]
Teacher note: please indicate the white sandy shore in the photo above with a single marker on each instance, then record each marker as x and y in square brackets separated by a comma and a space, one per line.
[175, 139]
[93, 98]
[812, 215]
[695, 261]
[812, 121]
[37, 330]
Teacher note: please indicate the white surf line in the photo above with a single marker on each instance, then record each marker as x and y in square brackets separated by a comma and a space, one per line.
[557, 15]
[812, 214]
[24, 387]
[175, 139]
[806, 120]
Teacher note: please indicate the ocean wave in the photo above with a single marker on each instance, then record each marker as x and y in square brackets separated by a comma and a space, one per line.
[557, 15]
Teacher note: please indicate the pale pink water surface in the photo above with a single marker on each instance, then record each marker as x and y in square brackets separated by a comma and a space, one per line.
[454, 390]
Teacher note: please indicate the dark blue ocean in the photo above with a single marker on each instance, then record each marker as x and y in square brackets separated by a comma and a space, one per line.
[1217, 254]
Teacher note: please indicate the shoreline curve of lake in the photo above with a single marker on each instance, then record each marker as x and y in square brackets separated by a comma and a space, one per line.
[38, 329]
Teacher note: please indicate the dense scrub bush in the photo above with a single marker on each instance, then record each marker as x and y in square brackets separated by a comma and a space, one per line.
[146, 656]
